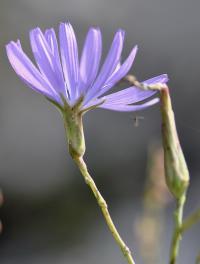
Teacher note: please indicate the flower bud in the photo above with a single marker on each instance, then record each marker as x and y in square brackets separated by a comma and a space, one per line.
[176, 171]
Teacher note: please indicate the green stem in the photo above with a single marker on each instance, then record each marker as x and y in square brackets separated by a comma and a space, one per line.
[178, 219]
[104, 208]
[191, 220]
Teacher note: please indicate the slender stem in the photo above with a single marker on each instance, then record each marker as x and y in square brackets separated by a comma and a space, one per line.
[104, 208]
[178, 219]
[191, 220]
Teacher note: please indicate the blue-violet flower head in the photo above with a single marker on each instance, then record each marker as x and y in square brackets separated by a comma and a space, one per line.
[60, 75]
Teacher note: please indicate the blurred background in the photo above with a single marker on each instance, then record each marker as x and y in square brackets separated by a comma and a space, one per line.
[48, 213]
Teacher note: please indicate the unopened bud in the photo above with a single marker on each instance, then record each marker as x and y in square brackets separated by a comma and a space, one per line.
[176, 171]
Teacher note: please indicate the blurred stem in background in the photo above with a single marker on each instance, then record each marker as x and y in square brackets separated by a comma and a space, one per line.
[198, 259]
[150, 225]
[191, 220]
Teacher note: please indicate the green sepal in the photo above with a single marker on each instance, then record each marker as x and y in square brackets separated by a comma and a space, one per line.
[73, 124]
[72, 117]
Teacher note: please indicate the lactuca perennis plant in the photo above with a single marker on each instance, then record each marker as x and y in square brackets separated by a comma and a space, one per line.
[77, 86]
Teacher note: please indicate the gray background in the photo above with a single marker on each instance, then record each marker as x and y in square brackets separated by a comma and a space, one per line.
[49, 216]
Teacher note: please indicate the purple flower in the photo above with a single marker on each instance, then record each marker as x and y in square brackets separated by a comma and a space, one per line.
[60, 75]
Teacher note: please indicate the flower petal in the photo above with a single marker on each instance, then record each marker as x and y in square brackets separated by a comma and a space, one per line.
[109, 65]
[50, 37]
[120, 72]
[46, 61]
[133, 94]
[128, 96]
[163, 78]
[129, 108]
[27, 71]
[90, 59]
[69, 57]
